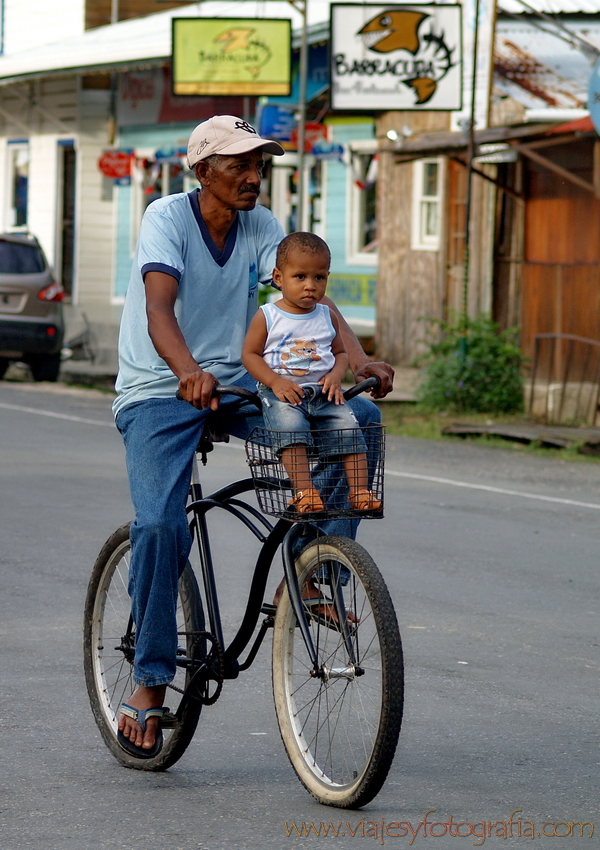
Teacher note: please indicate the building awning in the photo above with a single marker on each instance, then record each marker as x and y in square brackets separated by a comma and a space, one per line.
[449, 143]
[499, 143]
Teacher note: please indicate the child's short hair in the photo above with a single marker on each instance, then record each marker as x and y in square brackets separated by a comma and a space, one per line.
[309, 242]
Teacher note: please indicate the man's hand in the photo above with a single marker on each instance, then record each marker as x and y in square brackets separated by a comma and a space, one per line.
[332, 388]
[287, 390]
[197, 388]
[380, 370]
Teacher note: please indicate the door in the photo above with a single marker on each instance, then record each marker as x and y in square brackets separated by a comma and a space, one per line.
[66, 240]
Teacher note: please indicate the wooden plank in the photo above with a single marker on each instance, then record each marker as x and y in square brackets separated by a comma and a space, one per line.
[597, 168]
[557, 169]
[543, 435]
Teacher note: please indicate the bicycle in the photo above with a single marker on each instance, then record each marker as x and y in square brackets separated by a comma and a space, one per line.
[337, 663]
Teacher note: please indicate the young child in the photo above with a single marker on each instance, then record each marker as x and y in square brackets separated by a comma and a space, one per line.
[295, 351]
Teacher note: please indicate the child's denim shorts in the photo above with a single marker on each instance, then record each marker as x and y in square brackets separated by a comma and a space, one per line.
[330, 427]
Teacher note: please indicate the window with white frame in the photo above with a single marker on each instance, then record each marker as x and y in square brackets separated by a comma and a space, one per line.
[427, 204]
[362, 203]
[18, 184]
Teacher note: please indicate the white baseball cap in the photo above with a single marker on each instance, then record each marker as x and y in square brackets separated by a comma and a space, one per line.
[228, 136]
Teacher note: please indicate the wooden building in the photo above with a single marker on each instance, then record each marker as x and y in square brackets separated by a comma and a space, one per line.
[534, 254]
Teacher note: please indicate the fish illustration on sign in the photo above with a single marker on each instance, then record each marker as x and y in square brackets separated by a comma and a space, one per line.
[394, 30]
[252, 53]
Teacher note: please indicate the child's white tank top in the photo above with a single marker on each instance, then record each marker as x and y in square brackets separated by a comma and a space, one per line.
[298, 345]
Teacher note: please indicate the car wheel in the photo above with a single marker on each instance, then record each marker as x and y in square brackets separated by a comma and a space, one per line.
[45, 367]
[3, 366]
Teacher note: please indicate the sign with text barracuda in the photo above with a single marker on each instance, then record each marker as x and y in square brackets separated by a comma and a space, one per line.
[231, 56]
[396, 57]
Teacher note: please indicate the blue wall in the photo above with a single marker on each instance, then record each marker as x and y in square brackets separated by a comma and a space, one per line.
[352, 287]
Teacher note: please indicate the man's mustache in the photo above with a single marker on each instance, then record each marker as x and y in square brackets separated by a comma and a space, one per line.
[249, 189]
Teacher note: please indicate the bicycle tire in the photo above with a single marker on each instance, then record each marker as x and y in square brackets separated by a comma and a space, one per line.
[340, 730]
[108, 670]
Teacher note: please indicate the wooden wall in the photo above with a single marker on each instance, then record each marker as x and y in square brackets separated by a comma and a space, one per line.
[416, 285]
[410, 284]
[560, 287]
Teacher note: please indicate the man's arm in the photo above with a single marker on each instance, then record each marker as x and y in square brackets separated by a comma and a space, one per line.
[361, 365]
[195, 385]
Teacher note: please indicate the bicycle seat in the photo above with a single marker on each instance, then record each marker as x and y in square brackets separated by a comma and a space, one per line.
[210, 435]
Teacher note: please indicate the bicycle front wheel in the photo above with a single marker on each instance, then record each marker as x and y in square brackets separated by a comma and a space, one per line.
[108, 651]
[339, 719]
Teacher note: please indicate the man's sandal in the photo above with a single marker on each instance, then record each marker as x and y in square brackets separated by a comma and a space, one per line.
[365, 500]
[141, 715]
[307, 502]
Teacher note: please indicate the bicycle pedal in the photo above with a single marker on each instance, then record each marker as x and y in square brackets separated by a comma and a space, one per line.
[169, 720]
[269, 609]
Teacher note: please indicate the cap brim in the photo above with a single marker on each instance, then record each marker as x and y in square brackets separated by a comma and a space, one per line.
[248, 145]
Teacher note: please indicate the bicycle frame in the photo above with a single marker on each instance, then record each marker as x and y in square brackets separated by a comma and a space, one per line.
[271, 537]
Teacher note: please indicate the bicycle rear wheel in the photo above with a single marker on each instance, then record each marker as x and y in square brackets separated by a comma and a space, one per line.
[108, 650]
[339, 722]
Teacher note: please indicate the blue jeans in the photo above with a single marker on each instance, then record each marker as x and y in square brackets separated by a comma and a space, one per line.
[160, 437]
[315, 412]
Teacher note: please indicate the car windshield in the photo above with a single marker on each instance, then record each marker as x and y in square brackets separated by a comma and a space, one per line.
[16, 258]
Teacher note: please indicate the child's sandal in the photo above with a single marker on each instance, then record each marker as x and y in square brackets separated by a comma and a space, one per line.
[365, 500]
[307, 502]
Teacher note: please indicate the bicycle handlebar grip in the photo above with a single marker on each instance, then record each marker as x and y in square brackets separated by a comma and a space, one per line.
[362, 386]
[240, 392]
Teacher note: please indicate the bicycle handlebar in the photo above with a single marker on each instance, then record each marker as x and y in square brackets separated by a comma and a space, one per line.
[241, 392]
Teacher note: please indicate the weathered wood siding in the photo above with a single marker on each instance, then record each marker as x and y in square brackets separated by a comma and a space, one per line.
[476, 293]
[410, 283]
[560, 287]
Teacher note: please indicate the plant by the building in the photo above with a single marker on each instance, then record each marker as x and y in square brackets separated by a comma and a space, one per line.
[471, 366]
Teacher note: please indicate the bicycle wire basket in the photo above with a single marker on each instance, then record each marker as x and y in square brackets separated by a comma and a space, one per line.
[328, 453]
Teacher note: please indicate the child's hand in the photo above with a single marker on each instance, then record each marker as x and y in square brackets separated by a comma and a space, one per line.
[333, 389]
[287, 390]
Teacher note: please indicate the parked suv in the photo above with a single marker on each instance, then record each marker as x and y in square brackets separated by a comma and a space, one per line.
[31, 315]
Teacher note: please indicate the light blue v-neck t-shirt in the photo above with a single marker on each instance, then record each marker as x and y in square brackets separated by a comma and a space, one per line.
[216, 299]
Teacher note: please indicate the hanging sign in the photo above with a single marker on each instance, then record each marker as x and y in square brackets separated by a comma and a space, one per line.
[323, 149]
[313, 133]
[231, 56]
[396, 57]
[115, 164]
[277, 122]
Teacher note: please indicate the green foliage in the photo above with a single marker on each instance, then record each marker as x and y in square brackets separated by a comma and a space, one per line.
[471, 366]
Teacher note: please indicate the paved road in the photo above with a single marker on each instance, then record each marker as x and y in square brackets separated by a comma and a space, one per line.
[492, 560]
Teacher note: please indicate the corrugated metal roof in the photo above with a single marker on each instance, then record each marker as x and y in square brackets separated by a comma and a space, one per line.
[541, 70]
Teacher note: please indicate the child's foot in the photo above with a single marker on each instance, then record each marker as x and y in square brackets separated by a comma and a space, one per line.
[364, 500]
[307, 501]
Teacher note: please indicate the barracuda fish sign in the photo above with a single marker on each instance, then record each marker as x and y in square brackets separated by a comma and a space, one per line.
[396, 57]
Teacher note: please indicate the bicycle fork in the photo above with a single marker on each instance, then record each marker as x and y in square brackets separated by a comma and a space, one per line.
[351, 670]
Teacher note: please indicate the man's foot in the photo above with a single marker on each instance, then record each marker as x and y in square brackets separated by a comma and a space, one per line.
[324, 613]
[143, 698]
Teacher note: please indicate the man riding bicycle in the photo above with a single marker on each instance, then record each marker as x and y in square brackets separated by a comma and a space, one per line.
[192, 293]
